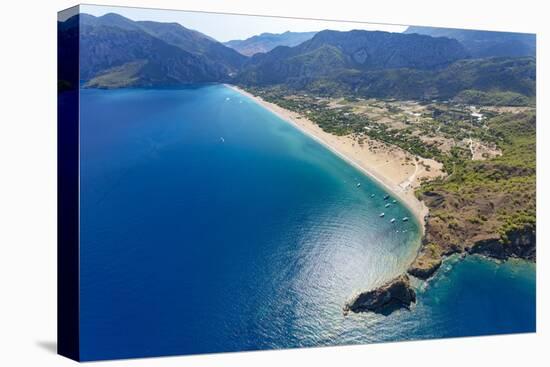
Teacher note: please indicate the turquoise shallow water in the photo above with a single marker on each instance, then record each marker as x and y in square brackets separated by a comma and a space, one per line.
[208, 224]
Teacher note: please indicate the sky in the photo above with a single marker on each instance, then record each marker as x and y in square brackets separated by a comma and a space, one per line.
[226, 27]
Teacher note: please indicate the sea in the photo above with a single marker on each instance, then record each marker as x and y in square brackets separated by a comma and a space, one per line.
[209, 224]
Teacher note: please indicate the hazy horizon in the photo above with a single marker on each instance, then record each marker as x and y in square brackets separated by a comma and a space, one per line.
[236, 27]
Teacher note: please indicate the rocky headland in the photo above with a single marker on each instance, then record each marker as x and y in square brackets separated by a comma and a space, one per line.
[447, 234]
[392, 295]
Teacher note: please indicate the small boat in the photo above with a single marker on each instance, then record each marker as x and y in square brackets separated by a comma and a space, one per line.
[222, 139]
[387, 205]
[392, 220]
[394, 201]
[386, 197]
[381, 215]
[405, 219]
[359, 185]
[371, 195]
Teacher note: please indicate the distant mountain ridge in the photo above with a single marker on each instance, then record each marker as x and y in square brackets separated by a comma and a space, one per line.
[484, 43]
[118, 52]
[392, 65]
[330, 53]
[266, 42]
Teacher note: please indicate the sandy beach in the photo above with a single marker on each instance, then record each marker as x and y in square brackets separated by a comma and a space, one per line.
[396, 170]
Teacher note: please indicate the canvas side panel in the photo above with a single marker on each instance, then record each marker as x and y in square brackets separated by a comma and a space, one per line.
[68, 183]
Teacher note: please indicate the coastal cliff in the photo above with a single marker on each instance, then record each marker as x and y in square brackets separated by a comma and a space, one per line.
[519, 244]
[487, 206]
[392, 295]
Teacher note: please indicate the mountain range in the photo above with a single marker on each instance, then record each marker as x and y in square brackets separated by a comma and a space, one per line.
[330, 54]
[266, 42]
[446, 63]
[484, 43]
[116, 51]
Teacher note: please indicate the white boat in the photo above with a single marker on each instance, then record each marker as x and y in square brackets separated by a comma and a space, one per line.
[222, 139]
[387, 205]
[359, 185]
[405, 219]
[381, 215]
[392, 220]
[371, 195]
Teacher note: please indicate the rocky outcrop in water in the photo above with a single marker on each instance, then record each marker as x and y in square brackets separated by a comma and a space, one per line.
[385, 299]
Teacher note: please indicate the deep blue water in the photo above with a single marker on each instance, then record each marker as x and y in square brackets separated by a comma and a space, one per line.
[208, 224]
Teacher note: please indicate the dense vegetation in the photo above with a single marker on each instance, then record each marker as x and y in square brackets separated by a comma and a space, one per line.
[506, 183]
[477, 97]
[478, 81]
[487, 206]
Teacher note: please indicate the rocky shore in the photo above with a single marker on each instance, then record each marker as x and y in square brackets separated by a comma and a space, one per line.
[522, 244]
[398, 292]
[437, 243]
[394, 294]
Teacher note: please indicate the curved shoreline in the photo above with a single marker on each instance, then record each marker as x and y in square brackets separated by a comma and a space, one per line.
[407, 198]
